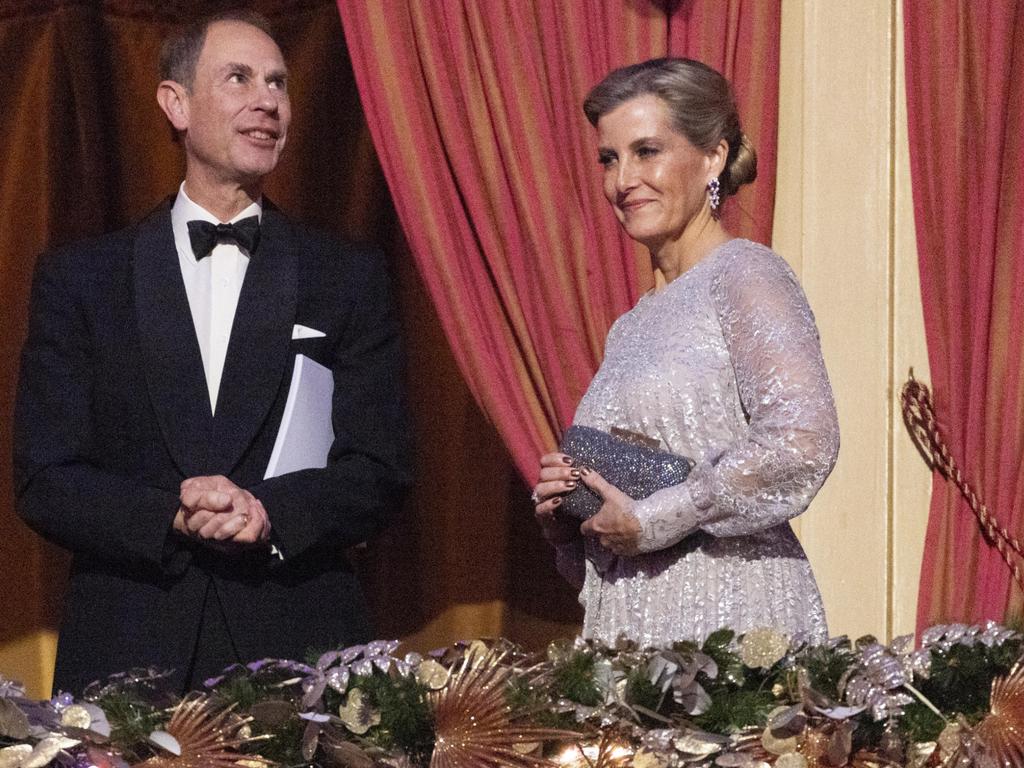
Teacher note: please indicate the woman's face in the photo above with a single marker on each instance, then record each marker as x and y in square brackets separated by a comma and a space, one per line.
[654, 178]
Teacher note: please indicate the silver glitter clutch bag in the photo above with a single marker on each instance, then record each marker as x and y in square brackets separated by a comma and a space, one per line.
[625, 459]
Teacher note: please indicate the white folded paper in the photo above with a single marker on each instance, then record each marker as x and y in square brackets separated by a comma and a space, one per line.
[306, 432]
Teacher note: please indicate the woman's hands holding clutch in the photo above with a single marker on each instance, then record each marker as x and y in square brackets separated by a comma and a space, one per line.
[615, 525]
[557, 477]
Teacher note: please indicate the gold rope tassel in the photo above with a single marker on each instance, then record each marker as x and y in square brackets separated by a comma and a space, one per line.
[919, 417]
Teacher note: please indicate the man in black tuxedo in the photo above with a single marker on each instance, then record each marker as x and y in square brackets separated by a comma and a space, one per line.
[154, 380]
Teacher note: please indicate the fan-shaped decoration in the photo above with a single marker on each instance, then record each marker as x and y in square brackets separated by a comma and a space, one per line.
[207, 737]
[1002, 730]
[474, 725]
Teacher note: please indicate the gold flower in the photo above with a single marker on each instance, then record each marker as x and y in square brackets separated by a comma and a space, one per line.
[432, 675]
[763, 647]
[357, 715]
[76, 716]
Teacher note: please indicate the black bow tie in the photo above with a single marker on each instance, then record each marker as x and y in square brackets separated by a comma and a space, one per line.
[204, 235]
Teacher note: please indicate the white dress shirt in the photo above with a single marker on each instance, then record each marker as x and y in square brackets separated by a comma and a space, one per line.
[212, 284]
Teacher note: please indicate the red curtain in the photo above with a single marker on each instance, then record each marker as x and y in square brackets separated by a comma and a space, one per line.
[475, 112]
[965, 105]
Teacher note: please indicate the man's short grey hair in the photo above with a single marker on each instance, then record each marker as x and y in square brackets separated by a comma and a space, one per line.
[180, 51]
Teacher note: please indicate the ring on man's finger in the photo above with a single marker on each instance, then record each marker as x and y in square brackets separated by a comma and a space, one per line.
[245, 519]
[534, 497]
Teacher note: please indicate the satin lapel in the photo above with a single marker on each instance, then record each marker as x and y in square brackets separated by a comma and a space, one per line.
[174, 364]
[258, 352]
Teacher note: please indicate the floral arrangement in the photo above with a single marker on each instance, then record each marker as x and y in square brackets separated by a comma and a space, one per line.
[758, 699]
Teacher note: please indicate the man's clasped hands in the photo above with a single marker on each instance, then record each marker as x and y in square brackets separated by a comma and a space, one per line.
[216, 512]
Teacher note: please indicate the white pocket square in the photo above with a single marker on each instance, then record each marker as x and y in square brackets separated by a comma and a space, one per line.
[303, 332]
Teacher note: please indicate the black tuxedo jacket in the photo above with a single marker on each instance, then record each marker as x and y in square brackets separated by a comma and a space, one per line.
[112, 413]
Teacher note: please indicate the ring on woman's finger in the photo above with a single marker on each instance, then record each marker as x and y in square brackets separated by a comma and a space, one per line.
[534, 497]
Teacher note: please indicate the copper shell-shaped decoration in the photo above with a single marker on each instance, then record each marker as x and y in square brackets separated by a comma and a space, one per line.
[1001, 732]
[473, 724]
[208, 737]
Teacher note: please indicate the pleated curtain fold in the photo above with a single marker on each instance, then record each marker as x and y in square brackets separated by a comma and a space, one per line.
[475, 111]
[965, 105]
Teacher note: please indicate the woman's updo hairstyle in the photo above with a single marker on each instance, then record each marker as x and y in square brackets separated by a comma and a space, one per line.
[699, 101]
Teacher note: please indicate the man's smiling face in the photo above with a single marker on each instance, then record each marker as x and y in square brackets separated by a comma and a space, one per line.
[237, 111]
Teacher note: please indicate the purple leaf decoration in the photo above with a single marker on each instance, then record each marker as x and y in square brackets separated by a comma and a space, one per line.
[337, 678]
[327, 659]
[349, 655]
[314, 690]
[363, 667]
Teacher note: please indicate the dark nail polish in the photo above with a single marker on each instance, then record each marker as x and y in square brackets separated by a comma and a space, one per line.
[566, 460]
[584, 471]
[570, 483]
[574, 473]
[557, 501]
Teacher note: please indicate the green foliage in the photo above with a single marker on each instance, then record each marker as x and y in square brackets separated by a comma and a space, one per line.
[732, 711]
[685, 647]
[1004, 656]
[825, 667]
[240, 691]
[573, 679]
[640, 691]
[131, 722]
[521, 696]
[284, 746]
[717, 646]
[868, 733]
[920, 723]
[527, 698]
[730, 668]
[405, 718]
[960, 681]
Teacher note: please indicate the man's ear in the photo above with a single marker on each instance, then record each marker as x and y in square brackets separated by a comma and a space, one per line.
[173, 100]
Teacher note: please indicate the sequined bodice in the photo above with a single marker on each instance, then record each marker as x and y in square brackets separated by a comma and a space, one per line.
[722, 365]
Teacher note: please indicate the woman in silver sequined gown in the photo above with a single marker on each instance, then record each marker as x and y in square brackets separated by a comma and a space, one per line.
[721, 362]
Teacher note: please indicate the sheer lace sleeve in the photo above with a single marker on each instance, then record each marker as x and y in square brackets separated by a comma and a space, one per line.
[770, 473]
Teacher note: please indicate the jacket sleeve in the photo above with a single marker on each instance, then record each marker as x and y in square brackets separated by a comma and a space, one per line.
[368, 467]
[60, 491]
